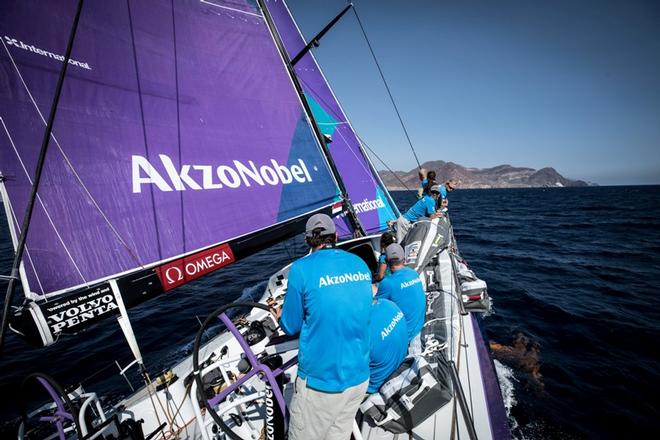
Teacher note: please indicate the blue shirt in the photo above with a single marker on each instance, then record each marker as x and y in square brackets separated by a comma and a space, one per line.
[328, 301]
[423, 208]
[404, 288]
[389, 342]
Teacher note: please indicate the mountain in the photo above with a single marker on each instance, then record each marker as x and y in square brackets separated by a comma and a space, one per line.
[501, 176]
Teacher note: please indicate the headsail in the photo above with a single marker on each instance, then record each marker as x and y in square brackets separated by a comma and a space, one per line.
[371, 201]
[178, 131]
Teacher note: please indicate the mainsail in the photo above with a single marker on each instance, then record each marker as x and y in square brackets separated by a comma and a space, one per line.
[180, 145]
[371, 201]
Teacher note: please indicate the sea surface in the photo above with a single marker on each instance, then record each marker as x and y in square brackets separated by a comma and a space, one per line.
[575, 330]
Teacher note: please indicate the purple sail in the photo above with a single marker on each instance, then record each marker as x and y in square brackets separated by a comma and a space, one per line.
[370, 199]
[178, 128]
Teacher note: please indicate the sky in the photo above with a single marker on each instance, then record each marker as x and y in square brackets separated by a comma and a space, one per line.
[574, 85]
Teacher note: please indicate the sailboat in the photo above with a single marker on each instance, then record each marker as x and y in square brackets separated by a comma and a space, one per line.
[176, 139]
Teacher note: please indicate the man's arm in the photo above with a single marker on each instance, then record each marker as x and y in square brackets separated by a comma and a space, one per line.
[292, 309]
[430, 210]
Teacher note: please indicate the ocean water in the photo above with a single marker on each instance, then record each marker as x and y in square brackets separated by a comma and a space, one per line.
[573, 274]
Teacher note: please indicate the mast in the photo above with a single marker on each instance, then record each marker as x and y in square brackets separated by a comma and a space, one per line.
[314, 42]
[352, 216]
[37, 178]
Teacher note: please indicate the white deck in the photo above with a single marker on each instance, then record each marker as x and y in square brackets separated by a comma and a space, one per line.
[175, 407]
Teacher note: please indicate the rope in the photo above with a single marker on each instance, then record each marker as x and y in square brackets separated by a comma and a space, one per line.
[383, 162]
[329, 108]
[387, 87]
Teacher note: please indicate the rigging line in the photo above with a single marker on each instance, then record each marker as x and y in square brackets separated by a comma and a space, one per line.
[344, 120]
[378, 180]
[467, 366]
[37, 197]
[454, 422]
[13, 218]
[340, 120]
[70, 164]
[387, 87]
[353, 218]
[384, 164]
[144, 128]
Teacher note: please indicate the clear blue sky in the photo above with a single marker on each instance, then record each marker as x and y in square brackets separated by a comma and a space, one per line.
[570, 84]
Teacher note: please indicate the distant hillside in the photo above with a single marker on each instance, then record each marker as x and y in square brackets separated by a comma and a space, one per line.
[501, 176]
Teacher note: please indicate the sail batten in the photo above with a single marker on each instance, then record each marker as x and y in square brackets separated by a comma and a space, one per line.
[178, 130]
[373, 206]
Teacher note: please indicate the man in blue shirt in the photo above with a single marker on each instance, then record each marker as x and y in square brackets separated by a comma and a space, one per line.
[328, 302]
[428, 180]
[385, 240]
[404, 288]
[448, 187]
[389, 341]
[425, 207]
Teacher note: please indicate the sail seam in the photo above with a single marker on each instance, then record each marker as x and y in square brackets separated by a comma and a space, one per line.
[73, 170]
[50, 220]
[178, 122]
[231, 9]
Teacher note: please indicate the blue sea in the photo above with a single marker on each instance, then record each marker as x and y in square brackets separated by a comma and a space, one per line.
[573, 273]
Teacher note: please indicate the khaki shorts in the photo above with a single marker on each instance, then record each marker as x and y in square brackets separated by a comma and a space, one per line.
[403, 225]
[316, 415]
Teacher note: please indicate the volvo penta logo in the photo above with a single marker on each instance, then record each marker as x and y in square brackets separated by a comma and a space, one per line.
[205, 177]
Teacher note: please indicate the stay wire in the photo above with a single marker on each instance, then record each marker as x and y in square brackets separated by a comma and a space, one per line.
[387, 87]
[360, 140]
[382, 162]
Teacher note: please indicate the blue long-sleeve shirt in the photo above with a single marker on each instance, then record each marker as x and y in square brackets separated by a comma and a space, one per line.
[404, 288]
[389, 341]
[328, 301]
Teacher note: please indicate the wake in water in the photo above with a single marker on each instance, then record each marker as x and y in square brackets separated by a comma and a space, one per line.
[506, 378]
[523, 355]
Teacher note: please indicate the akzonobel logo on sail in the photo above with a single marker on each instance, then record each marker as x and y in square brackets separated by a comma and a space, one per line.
[205, 177]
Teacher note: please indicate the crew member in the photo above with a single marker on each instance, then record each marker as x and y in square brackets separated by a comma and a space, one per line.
[404, 288]
[428, 180]
[425, 207]
[446, 188]
[328, 302]
[389, 341]
[385, 240]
